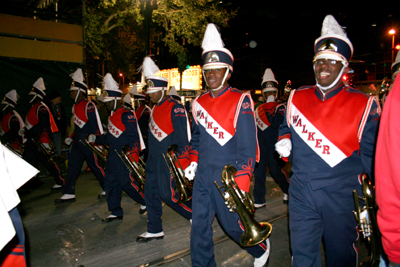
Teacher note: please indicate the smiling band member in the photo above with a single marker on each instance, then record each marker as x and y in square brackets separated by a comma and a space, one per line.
[330, 131]
[223, 132]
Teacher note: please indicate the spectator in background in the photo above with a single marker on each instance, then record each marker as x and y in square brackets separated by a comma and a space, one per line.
[58, 111]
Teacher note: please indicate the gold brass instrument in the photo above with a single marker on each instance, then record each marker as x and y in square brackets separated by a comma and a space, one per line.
[46, 152]
[183, 185]
[134, 167]
[236, 201]
[100, 153]
[367, 223]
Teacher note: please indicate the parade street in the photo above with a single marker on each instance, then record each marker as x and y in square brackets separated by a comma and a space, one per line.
[72, 234]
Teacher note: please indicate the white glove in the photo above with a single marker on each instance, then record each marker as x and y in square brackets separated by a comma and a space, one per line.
[284, 147]
[46, 145]
[191, 170]
[91, 138]
[68, 141]
[21, 131]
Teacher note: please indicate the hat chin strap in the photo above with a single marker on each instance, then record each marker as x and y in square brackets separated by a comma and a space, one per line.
[324, 88]
[162, 96]
[33, 98]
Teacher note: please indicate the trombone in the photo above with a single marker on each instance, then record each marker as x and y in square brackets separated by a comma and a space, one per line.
[183, 185]
[236, 201]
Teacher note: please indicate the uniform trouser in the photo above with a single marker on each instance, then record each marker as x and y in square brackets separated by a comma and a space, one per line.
[208, 202]
[119, 179]
[33, 157]
[160, 186]
[323, 213]
[13, 254]
[80, 153]
[268, 157]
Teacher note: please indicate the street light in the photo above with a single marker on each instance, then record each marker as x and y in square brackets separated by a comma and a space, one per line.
[392, 32]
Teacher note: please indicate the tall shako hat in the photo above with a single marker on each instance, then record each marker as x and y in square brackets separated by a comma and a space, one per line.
[111, 89]
[135, 93]
[10, 99]
[38, 90]
[154, 83]
[215, 55]
[77, 81]
[269, 83]
[333, 42]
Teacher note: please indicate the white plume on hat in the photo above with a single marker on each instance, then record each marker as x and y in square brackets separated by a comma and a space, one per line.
[269, 76]
[128, 100]
[331, 28]
[77, 76]
[173, 91]
[110, 83]
[212, 38]
[39, 84]
[12, 95]
[149, 68]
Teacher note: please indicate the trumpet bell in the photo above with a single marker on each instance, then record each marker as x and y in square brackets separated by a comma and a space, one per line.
[255, 234]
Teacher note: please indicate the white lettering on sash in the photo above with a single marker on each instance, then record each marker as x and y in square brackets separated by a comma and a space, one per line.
[321, 145]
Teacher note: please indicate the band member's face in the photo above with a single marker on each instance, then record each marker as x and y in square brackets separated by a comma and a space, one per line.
[73, 94]
[214, 77]
[326, 71]
[268, 93]
[155, 97]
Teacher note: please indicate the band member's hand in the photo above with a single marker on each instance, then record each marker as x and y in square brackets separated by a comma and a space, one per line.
[284, 147]
[191, 170]
[21, 131]
[91, 138]
[68, 141]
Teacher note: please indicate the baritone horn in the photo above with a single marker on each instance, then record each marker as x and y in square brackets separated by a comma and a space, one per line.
[134, 167]
[367, 223]
[183, 185]
[236, 201]
[48, 153]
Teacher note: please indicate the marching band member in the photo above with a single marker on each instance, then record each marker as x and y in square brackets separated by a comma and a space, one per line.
[168, 126]
[86, 121]
[39, 123]
[224, 132]
[330, 131]
[122, 130]
[11, 123]
[269, 117]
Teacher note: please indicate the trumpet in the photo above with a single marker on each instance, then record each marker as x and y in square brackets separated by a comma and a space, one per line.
[101, 154]
[134, 167]
[367, 223]
[183, 185]
[236, 201]
[46, 152]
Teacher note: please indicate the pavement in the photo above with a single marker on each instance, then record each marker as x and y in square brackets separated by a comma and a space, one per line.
[72, 234]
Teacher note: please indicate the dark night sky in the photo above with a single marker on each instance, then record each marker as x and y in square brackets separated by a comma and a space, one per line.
[285, 35]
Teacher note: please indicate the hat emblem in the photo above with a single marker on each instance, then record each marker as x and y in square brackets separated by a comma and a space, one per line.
[150, 83]
[328, 44]
[212, 57]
